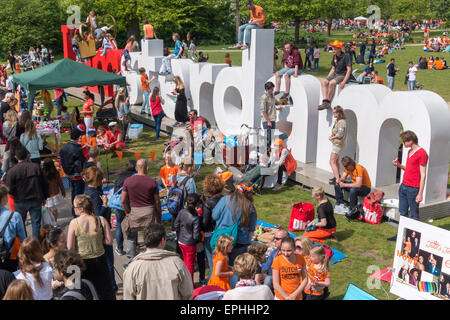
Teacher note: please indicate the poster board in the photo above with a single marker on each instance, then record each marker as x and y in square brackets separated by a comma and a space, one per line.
[87, 49]
[421, 268]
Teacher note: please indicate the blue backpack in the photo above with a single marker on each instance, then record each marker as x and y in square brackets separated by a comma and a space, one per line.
[115, 202]
[176, 197]
[231, 231]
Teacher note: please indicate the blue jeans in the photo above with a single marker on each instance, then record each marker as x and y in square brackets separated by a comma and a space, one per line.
[120, 215]
[354, 194]
[166, 64]
[146, 102]
[390, 82]
[158, 120]
[269, 133]
[407, 199]
[234, 280]
[316, 64]
[245, 32]
[209, 255]
[110, 263]
[34, 208]
[411, 85]
[239, 249]
[77, 187]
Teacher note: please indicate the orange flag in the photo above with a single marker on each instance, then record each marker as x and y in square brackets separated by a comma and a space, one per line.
[152, 155]
[119, 154]
[137, 155]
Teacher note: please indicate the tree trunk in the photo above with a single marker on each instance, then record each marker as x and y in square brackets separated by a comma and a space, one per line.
[238, 17]
[297, 30]
[329, 27]
[134, 29]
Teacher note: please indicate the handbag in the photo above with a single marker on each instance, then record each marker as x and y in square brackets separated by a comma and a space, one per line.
[301, 215]
[231, 231]
[48, 218]
[115, 202]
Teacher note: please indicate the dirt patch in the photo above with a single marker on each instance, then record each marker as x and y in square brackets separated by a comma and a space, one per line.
[373, 254]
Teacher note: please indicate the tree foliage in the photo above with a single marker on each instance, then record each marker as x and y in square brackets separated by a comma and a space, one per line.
[25, 23]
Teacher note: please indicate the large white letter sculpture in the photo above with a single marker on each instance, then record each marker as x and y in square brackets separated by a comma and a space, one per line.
[229, 97]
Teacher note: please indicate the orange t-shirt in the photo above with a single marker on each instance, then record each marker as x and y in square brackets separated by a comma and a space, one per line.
[92, 142]
[227, 60]
[439, 65]
[149, 31]
[88, 106]
[290, 274]
[219, 281]
[315, 276]
[258, 15]
[360, 171]
[380, 81]
[144, 79]
[166, 173]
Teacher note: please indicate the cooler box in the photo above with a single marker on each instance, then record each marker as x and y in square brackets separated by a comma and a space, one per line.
[135, 130]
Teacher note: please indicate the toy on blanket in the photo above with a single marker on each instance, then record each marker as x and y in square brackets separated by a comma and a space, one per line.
[265, 235]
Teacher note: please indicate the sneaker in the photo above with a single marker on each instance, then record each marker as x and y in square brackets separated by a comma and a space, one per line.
[332, 180]
[340, 209]
[276, 93]
[392, 239]
[243, 47]
[237, 46]
[277, 187]
[324, 105]
[285, 95]
[119, 252]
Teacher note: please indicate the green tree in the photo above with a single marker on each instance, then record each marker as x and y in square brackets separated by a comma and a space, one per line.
[328, 10]
[440, 9]
[25, 23]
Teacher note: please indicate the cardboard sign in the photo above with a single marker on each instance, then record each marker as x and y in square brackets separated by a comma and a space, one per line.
[422, 262]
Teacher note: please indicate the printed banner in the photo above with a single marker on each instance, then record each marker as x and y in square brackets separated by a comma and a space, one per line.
[422, 262]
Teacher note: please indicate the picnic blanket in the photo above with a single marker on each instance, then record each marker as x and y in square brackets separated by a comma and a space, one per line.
[335, 258]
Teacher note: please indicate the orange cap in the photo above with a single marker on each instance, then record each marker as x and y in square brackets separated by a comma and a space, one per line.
[225, 176]
[278, 142]
[337, 44]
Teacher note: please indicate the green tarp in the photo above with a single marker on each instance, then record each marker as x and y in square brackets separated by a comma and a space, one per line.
[63, 74]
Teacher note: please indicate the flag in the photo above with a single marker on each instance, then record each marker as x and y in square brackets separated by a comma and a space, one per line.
[152, 155]
[119, 154]
[137, 154]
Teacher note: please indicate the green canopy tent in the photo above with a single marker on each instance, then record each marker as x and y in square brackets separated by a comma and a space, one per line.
[63, 74]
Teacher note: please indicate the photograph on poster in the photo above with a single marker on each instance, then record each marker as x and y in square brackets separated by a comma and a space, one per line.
[409, 275]
[444, 286]
[432, 263]
[410, 243]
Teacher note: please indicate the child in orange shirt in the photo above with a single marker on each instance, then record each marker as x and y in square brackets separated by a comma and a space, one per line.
[89, 141]
[288, 272]
[227, 59]
[168, 170]
[318, 275]
[221, 271]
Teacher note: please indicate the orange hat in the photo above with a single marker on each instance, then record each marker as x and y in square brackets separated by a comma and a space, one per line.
[278, 142]
[225, 176]
[337, 44]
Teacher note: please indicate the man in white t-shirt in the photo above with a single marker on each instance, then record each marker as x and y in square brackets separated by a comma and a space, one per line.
[412, 76]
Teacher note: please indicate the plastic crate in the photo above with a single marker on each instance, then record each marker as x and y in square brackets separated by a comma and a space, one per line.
[135, 131]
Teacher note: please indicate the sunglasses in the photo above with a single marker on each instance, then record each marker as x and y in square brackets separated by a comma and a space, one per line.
[278, 239]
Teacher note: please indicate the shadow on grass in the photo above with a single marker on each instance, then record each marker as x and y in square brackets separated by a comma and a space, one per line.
[344, 234]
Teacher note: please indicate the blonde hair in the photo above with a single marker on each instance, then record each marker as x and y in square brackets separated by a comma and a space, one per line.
[320, 252]
[318, 191]
[11, 118]
[179, 82]
[19, 290]
[245, 266]
[120, 98]
[307, 245]
[222, 244]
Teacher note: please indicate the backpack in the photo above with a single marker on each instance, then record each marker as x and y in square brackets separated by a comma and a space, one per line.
[231, 231]
[115, 202]
[176, 196]
[4, 248]
[79, 296]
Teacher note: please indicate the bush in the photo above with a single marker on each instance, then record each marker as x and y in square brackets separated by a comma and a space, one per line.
[281, 37]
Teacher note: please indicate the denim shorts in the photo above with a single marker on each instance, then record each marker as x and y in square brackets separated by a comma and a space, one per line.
[288, 71]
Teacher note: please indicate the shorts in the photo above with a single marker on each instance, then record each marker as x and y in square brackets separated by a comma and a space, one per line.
[336, 149]
[288, 71]
[337, 77]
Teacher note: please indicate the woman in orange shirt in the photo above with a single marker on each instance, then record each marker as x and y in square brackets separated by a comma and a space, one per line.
[318, 274]
[407, 248]
[88, 109]
[221, 271]
[288, 272]
[168, 170]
